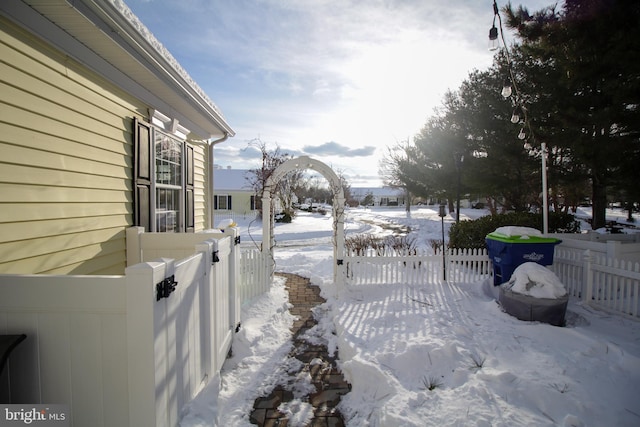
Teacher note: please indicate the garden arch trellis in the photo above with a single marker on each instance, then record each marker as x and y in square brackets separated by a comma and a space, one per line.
[305, 162]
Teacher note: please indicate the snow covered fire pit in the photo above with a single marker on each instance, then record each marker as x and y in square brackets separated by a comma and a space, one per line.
[534, 293]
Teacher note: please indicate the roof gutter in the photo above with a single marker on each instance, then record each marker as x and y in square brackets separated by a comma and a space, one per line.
[140, 43]
[210, 172]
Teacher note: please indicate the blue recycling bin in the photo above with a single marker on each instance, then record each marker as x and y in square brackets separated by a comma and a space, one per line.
[508, 252]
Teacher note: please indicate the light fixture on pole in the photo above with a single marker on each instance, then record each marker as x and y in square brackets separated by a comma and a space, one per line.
[545, 191]
[458, 158]
[442, 213]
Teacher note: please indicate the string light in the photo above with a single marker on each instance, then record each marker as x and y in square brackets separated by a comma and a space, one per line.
[509, 87]
[506, 89]
[522, 135]
[520, 113]
[517, 113]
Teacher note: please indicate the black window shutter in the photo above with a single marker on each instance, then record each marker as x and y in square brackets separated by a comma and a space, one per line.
[142, 174]
[229, 202]
[189, 190]
[215, 203]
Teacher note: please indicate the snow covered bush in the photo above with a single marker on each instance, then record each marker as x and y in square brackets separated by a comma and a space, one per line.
[471, 234]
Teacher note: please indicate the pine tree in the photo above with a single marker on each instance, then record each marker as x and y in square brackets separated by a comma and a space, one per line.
[592, 51]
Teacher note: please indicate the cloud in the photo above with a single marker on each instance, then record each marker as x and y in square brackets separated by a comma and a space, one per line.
[300, 73]
[334, 149]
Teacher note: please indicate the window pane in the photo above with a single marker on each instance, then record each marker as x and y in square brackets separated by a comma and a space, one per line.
[222, 203]
[168, 160]
[167, 209]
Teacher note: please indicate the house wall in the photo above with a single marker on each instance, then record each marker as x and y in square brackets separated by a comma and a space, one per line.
[66, 166]
[202, 178]
[240, 202]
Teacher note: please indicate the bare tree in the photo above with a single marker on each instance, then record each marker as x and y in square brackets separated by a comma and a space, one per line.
[390, 168]
[257, 178]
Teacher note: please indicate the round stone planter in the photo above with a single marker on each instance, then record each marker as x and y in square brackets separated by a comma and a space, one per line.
[526, 307]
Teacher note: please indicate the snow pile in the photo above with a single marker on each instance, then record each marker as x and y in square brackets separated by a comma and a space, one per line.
[514, 230]
[226, 223]
[259, 360]
[537, 281]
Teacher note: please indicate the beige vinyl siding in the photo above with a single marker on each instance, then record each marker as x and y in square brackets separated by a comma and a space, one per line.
[66, 165]
[200, 181]
[240, 201]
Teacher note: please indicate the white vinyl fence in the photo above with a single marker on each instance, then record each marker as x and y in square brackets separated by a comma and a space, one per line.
[609, 283]
[127, 350]
[250, 275]
[457, 265]
[254, 274]
[601, 273]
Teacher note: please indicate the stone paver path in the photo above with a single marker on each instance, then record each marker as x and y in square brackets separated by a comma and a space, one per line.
[327, 380]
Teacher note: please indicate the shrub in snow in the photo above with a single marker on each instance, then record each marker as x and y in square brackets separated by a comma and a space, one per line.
[431, 383]
[363, 244]
[471, 234]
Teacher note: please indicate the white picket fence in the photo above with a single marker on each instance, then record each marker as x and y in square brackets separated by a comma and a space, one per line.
[609, 283]
[254, 274]
[126, 350]
[458, 265]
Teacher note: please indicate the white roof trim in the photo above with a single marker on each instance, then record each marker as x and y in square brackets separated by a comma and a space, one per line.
[107, 37]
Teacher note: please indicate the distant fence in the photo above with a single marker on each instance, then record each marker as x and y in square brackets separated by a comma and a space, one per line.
[369, 268]
[603, 274]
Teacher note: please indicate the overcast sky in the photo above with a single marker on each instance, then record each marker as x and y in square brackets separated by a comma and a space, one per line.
[338, 80]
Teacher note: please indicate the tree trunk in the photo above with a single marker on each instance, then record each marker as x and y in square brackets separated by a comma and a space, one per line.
[599, 200]
[407, 200]
[491, 204]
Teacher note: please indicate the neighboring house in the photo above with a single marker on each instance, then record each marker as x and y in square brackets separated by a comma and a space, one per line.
[232, 193]
[379, 196]
[100, 129]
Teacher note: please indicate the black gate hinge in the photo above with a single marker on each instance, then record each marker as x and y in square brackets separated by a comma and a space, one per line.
[166, 287]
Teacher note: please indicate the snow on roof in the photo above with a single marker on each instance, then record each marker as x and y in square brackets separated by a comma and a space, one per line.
[231, 180]
[376, 191]
[143, 31]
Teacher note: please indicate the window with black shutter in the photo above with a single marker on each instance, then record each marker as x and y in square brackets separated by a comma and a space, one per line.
[164, 180]
[222, 202]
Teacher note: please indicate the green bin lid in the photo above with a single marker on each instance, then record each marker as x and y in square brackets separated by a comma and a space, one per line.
[521, 239]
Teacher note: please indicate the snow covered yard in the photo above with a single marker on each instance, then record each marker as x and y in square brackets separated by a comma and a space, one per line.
[440, 354]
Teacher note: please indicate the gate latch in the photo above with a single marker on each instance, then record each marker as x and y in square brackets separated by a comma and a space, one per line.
[166, 287]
